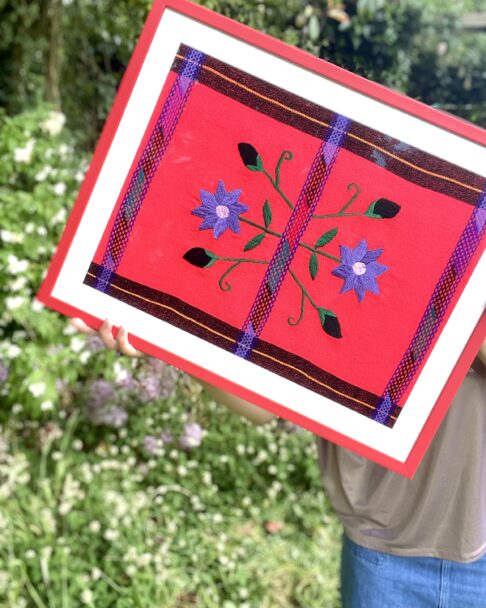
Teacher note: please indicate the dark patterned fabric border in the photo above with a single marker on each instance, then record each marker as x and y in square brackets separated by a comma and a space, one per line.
[397, 157]
[188, 318]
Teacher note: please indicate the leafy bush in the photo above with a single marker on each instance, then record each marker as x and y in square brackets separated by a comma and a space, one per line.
[121, 483]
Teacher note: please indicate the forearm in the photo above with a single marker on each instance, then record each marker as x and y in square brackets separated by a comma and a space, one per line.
[237, 405]
[482, 353]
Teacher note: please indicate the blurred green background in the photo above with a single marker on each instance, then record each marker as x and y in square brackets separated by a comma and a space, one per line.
[121, 482]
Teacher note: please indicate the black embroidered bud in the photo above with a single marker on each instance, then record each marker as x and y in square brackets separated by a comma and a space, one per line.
[383, 209]
[330, 323]
[250, 157]
[197, 256]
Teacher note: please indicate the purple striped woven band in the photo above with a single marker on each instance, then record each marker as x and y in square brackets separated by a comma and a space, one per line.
[301, 215]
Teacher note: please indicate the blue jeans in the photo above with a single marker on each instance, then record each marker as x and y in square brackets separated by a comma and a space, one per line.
[372, 579]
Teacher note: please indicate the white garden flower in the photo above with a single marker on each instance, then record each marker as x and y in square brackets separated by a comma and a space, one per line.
[111, 535]
[43, 174]
[79, 176]
[54, 123]
[37, 389]
[29, 227]
[87, 596]
[14, 302]
[18, 284]
[24, 155]
[63, 150]
[120, 373]
[94, 526]
[84, 357]
[41, 231]
[60, 217]
[16, 266]
[96, 574]
[59, 188]
[11, 237]
[47, 406]
[77, 344]
[36, 305]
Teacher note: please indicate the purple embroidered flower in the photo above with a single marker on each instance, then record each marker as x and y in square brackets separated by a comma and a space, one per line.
[359, 269]
[220, 210]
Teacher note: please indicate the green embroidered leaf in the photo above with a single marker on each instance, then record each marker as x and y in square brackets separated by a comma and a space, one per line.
[326, 238]
[258, 166]
[280, 263]
[254, 242]
[313, 265]
[267, 214]
[330, 323]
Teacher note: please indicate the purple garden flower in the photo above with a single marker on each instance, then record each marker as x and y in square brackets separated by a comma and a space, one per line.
[192, 436]
[359, 269]
[166, 437]
[113, 416]
[3, 373]
[150, 444]
[220, 210]
[95, 343]
[100, 392]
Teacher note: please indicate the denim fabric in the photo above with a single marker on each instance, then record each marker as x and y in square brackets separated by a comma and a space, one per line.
[372, 579]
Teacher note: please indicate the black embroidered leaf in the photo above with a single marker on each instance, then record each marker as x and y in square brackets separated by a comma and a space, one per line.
[330, 323]
[197, 256]
[383, 209]
[250, 157]
[326, 238]
[254, 242]
[267, 214]
[313, 265]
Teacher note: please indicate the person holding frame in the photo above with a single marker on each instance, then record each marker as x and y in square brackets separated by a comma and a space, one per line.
[407, 543]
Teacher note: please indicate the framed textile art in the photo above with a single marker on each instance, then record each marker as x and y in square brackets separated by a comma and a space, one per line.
[286, 230]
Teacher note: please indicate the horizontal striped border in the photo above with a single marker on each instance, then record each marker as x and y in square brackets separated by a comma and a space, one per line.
[401, 159]
[198, 323]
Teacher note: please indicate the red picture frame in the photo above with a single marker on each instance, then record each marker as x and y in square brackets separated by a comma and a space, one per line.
[331, 73]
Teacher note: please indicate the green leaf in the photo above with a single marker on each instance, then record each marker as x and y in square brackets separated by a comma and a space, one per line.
[267, 214]
[370, 211]
[313, 265]
[254, 242]
[258, 166]
[326, 238]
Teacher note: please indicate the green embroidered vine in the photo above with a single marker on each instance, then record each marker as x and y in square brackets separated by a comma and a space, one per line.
[221, 211]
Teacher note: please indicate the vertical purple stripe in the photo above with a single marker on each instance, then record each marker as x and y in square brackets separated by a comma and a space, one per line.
[142, 176]
[436, 309]
[295, 228]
